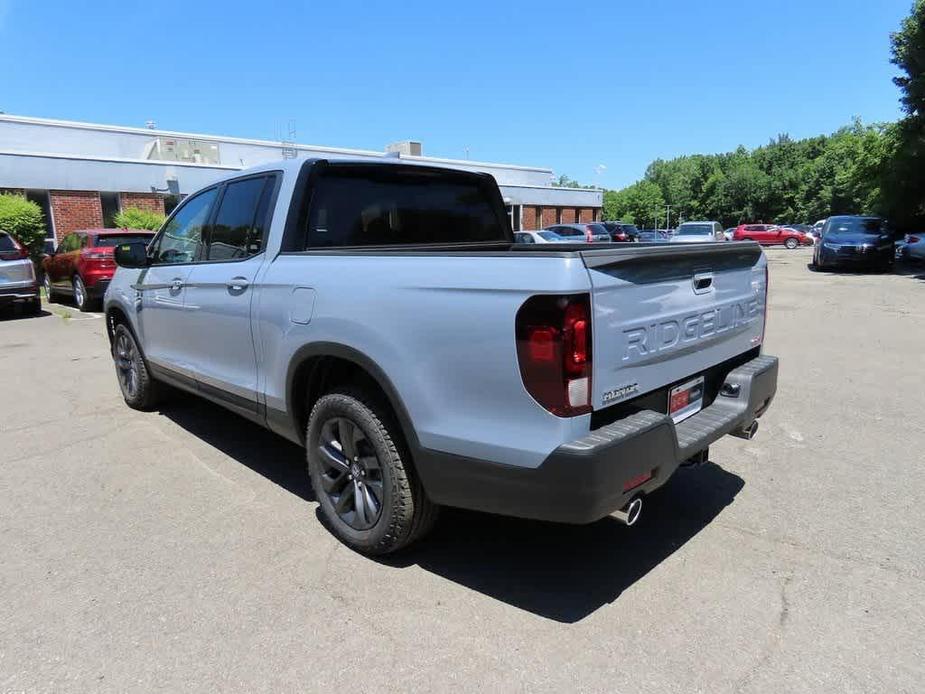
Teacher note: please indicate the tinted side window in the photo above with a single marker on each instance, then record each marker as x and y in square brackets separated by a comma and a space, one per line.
[181, 239]
[237, 231]
[386, 205]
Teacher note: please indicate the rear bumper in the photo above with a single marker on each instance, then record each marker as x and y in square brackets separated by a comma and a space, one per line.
[98, 289]
[25, 292]
[587, 479]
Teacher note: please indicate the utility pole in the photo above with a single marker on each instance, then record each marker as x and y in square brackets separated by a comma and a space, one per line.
[668, 216]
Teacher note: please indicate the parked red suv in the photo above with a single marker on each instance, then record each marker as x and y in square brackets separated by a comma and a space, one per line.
[771, 235]
[82, 264]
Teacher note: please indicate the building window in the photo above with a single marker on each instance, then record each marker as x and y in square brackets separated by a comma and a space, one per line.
[41, 198]
[514, 213]
[111, 207]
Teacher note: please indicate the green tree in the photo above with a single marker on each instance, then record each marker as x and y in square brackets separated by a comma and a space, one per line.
[904, 178]
[908, 54]
[638, 203]
[136, 218]
[23, 220]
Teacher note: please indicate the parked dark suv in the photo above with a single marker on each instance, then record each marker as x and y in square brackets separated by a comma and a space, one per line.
[862, 243]
[620, 231]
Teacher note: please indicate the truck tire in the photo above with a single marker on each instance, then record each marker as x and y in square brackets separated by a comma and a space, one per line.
[139, 390]
[369, 495]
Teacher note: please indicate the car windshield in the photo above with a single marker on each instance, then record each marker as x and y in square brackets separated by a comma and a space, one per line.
[856, 225]
[694, 230]
[110, 240]
[550, 235]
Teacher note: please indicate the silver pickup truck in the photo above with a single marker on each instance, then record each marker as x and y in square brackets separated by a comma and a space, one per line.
[379, 314]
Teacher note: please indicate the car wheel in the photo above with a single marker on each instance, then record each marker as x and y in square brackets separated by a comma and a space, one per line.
[369, 494]
[49, 288]
[80, 294]
[791, 243]
[139, 390]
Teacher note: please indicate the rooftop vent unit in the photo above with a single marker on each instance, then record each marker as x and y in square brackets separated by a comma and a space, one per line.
[405, 148]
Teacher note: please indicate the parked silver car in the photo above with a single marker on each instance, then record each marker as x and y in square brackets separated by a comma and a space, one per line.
[914, 247]
[698, 232]
[538, 237]
[576, 233]
[17, 276]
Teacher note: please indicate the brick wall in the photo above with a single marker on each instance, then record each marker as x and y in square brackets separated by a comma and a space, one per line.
[75, 209]
[151, 202]
[586, 214]
[549, 216]
[568, 215]
[528, 218]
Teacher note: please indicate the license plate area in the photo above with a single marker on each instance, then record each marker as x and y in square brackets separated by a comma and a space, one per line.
[686, 399]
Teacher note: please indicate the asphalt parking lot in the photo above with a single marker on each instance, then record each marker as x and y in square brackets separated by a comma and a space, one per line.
[179, 549]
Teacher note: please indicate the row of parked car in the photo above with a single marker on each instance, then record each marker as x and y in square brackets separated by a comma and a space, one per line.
[791, 236]
[80, 267]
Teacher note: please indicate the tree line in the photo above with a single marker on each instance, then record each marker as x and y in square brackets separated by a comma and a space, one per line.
[860, 169]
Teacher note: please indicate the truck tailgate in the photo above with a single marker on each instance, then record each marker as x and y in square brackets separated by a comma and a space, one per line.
[665, 314]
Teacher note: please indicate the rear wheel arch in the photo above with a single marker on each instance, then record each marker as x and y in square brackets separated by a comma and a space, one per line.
[317, 368]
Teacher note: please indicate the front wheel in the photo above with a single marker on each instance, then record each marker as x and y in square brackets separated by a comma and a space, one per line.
[791, 243]
[139, 390]
[369, 494]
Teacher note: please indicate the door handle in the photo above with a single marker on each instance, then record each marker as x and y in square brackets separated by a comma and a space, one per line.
[176, 285]
[238, 284]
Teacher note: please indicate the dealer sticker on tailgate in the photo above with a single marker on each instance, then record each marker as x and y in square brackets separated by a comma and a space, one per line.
[685, 399]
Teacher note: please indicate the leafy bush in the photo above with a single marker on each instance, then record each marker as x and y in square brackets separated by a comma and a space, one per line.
[135, 218]
[23, 220]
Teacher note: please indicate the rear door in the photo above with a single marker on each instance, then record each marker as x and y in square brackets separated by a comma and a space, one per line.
[664, 315]
[220, 289]
[163, 321]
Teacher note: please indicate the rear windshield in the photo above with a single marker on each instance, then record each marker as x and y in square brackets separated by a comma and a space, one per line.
[7, 243]
[597, 229]
[386, 205]
[694, 230]
[569, 231]
[115, 239]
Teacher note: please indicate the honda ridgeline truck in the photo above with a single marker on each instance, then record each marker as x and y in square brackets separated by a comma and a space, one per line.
[380, 314]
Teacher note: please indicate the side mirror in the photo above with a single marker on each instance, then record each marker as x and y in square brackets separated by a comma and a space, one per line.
[131, 255]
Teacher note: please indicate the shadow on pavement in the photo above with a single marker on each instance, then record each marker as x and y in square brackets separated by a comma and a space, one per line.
[561, 572]
[261, 450]
[16, 313]
[903, 269]
[566, 572]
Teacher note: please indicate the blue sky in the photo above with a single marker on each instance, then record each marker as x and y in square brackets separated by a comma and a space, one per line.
[570, 86]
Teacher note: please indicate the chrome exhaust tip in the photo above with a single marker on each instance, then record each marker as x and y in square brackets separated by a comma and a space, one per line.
[629, 514]
[748, 433]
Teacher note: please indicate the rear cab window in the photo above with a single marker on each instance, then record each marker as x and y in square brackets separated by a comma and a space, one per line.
[356, 205]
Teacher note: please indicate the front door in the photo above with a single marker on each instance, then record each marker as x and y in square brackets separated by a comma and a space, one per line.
[220, 292]
[163, 319]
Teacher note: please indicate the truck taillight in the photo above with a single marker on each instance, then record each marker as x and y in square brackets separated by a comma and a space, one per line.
[554, 351]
